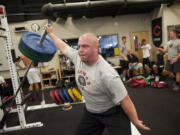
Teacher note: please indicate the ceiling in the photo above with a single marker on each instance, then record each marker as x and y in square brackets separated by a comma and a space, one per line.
[23, 10]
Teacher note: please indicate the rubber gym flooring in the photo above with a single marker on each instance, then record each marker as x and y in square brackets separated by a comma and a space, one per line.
[158, 108]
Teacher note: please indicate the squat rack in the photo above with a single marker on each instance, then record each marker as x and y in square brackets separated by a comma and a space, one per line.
[14, 78]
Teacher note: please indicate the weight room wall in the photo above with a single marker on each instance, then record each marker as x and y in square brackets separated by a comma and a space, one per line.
[171, 16]
[121, 25]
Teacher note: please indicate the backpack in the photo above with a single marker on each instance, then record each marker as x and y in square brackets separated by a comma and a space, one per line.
[159, 84]
[139, 82]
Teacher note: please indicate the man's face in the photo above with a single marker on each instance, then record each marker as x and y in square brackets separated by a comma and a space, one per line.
[124, 41]
[86, 49]
[172, 34]
[144, 42]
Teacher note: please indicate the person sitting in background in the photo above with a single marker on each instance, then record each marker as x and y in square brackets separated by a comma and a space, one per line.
[3, 87]
[32, 76]
[134, 64]
[123, 58]
[147, 57]
[159, 66]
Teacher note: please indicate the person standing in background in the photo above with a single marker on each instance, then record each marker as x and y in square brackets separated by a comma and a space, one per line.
[32, 76]
[173, 55]
[147, 57]
[123, 58]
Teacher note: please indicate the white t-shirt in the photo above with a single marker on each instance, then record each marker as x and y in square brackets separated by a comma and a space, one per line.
[99, 83]
[1, 80]
[145, 50]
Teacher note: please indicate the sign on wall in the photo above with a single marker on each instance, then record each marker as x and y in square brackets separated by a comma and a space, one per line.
[157, 31]
[136, 46]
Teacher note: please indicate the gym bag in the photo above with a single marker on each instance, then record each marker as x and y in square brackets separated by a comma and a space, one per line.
[139, 82]
[159, 84]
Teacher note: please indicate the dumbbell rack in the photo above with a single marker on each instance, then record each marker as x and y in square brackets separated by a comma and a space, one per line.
[14, 77]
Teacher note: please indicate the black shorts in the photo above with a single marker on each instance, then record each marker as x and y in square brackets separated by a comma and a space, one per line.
[124, 64]
[159, 68]
[1, 91]
[175, 67]
[146, 61]
[115, 120]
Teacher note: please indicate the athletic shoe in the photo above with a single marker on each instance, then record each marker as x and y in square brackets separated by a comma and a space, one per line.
[124, 79]
[176, 87]
[157, 78]
[150, 77]
[128, 81]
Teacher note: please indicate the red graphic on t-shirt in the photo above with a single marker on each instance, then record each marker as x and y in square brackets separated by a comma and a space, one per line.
[83, 79]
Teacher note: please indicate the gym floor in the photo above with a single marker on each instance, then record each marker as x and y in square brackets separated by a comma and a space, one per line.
[158, 108]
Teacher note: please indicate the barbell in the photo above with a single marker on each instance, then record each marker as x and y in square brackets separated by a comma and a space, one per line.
[37, 47]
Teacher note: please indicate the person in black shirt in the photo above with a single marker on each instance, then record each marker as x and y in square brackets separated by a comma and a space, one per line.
[134, 64]
[158, 67]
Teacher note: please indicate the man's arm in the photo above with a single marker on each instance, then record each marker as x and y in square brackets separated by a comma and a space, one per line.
[19, 65]
[165, 61]
[116, 90]
[42, 64]
[4, 84]
[162, 50]
[122, 55]
[177, 56]
[175, 59]
[61, 45]
[150, 52]
[130, 111]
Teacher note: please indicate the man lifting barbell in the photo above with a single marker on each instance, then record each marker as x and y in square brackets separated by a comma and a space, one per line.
[107, 102]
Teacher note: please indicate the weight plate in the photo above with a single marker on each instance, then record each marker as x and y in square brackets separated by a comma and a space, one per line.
[52, 95]
[67, 95]
[30, 50]
[33, 56]
[61, 94]
[31, 40]
[77, 94]
[58, 97]
[71, 95]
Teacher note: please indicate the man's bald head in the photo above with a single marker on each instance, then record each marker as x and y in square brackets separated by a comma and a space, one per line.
[88, 48]
[89, 38]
